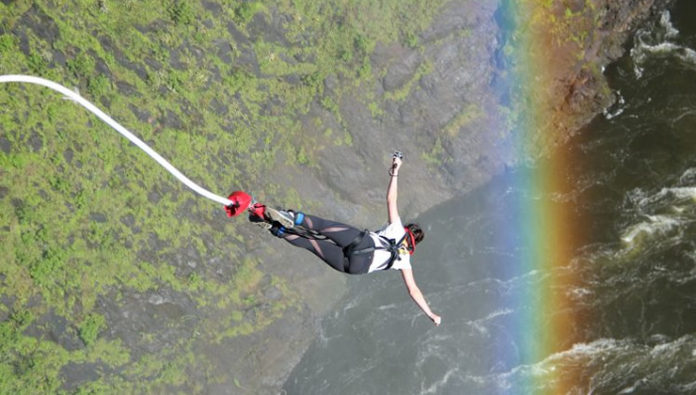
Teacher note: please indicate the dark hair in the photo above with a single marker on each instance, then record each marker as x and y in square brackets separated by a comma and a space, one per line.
[418, 233]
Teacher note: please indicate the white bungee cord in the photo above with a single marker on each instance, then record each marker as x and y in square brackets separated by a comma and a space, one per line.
[127, 134]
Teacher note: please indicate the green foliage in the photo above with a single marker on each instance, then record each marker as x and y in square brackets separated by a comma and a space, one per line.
[37, 64]
[436, 154]
[375, 109]
[365, 70]
[405, 90]
[82, 65]
[245, 10]
[90, 328]
[180, 11]
[411, 40]
[99, 86]
[469, 113]
[45, 271]
[21, 319]
[328, 103]
[8, 43]
[302, 157]
[347, 139]
[89, 217]
[360, 43]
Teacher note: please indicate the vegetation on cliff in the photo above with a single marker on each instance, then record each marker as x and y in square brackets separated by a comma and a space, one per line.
[89, 224]
[114, 277]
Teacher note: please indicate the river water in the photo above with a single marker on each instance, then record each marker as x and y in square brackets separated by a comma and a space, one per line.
[633, 271]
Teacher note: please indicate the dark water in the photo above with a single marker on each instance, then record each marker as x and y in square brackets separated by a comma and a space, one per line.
[633, 271]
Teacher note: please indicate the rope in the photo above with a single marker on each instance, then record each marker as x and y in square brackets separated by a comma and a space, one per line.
[130, 136]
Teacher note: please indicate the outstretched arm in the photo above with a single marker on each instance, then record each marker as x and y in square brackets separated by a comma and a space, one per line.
[417, 295]
[392, 208]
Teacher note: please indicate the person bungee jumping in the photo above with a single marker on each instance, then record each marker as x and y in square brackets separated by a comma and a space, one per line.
[345, 248]
[349, 249]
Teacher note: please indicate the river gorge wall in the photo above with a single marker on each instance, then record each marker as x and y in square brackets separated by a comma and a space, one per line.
[246, 98]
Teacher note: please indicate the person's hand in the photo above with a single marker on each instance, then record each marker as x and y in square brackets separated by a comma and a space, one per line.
[436, 319]
[396, 164]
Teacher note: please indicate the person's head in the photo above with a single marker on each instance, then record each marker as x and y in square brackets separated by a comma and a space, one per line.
[415, 236]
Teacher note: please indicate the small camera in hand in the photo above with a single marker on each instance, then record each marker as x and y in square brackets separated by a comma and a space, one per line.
[398, 154]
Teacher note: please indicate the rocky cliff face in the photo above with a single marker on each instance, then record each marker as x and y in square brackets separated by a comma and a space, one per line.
[158, 281]
[441, 105]
[570, 43]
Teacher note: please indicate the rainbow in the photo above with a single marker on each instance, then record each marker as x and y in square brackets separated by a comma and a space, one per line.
[535, 53]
